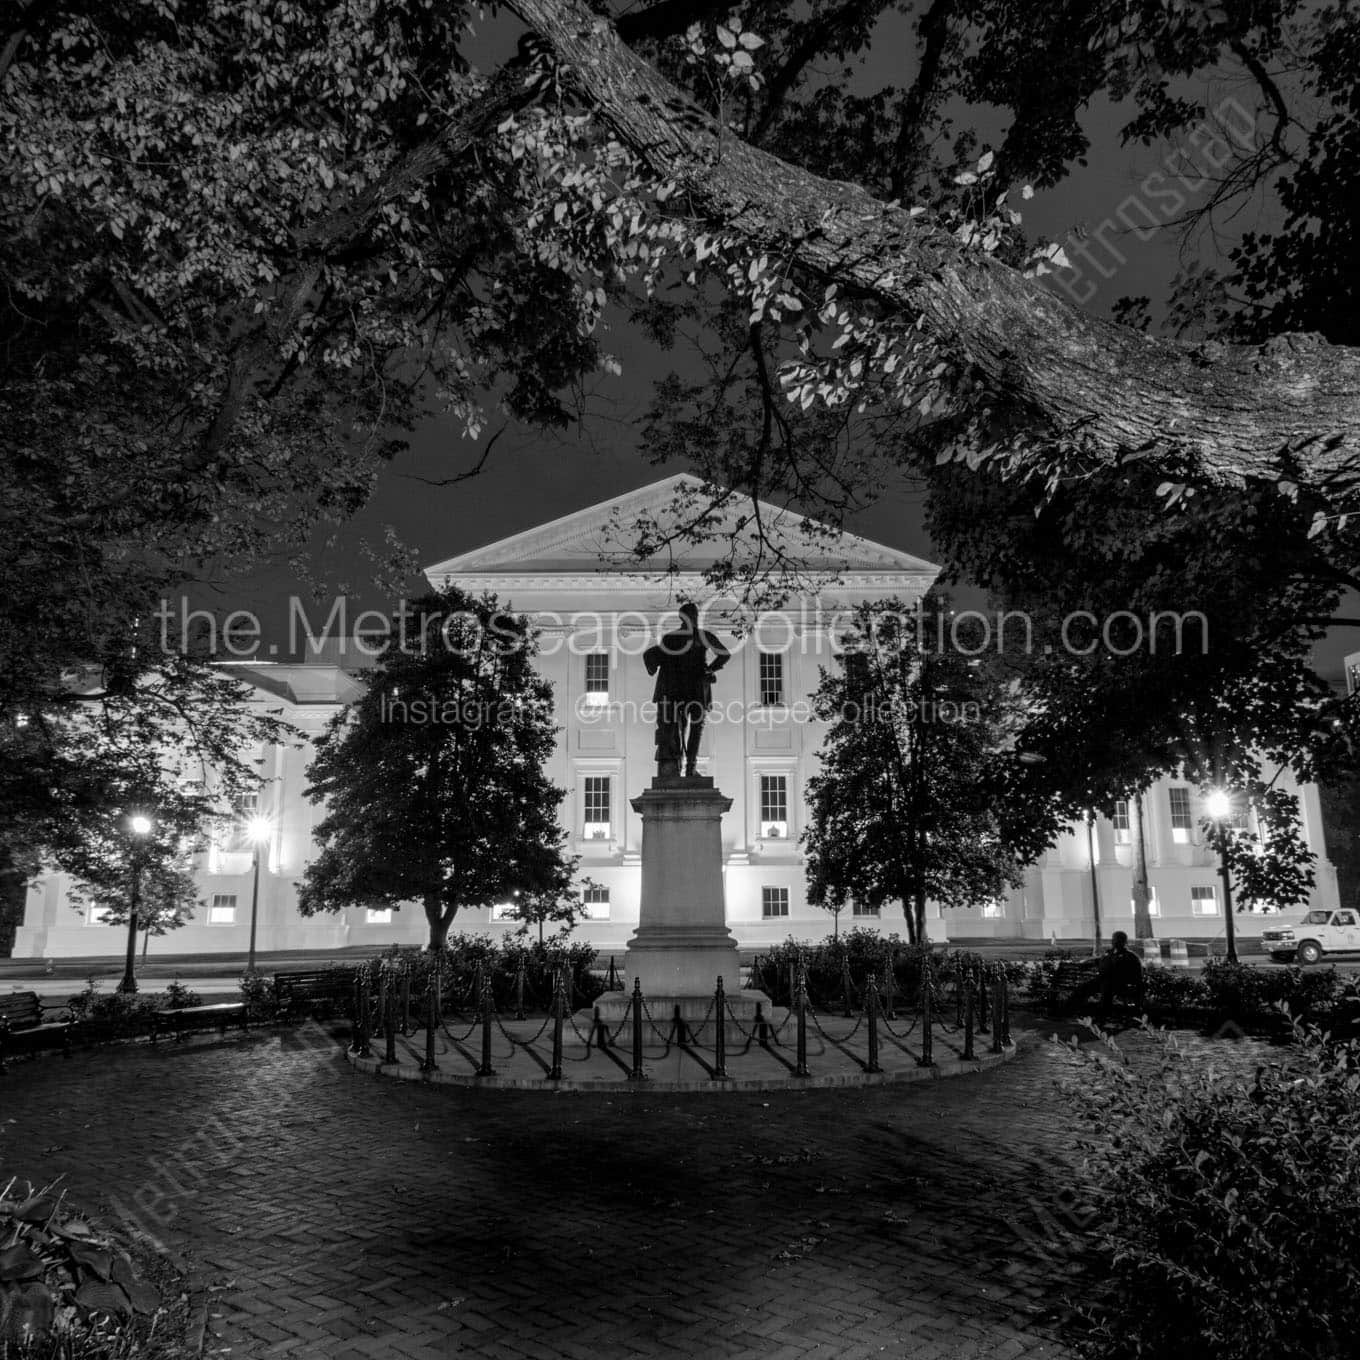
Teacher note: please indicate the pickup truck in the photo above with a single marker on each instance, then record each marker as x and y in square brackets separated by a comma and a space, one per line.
[1319, 933]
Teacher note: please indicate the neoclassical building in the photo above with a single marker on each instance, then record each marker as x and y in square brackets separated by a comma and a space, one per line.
[596, 609]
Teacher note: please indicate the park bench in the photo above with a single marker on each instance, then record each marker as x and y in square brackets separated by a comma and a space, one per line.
[323, 989]
[1074, 973]
[178, 1019]
[23, 1026]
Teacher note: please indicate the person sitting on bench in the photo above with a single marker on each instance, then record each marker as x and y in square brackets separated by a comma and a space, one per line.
[1121, 974]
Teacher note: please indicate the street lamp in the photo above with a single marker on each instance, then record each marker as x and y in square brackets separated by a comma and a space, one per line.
[1219, 807]
[140, 825]
[257, 829]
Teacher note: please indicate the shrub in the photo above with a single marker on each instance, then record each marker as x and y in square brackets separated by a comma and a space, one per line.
[259, 997]
[1172, 989]
[868, 954]
[178, 997]
[1230, 1215]
[112, 1014]
[501, 961]
[1240, 989]
[71, 1289]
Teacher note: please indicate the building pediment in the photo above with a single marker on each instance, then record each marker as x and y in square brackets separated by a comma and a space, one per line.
[605, 538]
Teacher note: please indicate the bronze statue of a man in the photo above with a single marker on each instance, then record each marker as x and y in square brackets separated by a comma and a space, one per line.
[684, 690]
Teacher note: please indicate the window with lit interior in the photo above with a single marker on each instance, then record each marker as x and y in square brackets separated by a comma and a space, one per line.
[1182, 821]
[597, 679]
[774, 807]
[595, 904]
[222, 909]
[596, 821]
[1204, 900]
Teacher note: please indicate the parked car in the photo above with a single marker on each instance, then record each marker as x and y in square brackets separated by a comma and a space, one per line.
[1320, 932]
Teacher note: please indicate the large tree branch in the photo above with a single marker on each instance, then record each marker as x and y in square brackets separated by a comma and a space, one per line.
[1235, 409]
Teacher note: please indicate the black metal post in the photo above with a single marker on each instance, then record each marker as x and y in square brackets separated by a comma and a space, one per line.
[890, 984]
[599, 1031]
[362, 1047]
[406, 1025]
[720, 1036]
[254, 909]
[958, 997]
[871, 1009]
[678, 1026]
[429, 1065]
[555, 1072]
[1229, 925]
[762, 1026]
[845, 984]
[485, 1069]
[519, 989]
[636, 1073]
[800, 1001]
[927, 1058]
[996, 1016]
[968, 1054]
[982, 1024]
[390, 1025]
[1005, 1025]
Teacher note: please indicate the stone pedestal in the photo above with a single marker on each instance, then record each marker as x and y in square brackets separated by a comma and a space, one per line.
[682, 945]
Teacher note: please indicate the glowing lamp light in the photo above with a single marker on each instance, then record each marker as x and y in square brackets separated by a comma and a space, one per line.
[140, 824]
[258, 828]
[1218, 805]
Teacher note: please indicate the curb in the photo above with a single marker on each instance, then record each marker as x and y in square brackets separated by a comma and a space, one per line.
[951, 1068]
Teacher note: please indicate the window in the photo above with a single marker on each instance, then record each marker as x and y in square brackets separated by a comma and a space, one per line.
[1179, 797]
[774, 902]
[597, 820]
[774, 806]
[993, 911]
[505, 911]
[597, 678]
[378, 916]
[595, 903]
[1204, 901]
[1345, 918]
[222, 909]
[863, 909]
[97, 916]
[771, 678]
[1123, 835]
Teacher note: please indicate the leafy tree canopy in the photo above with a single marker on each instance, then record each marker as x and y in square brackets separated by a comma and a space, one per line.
[433, 781]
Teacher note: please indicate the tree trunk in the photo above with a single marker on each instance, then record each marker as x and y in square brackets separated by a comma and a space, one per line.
[1142, 893]
[439, 918]
[919, 910]
[909, 916]
[1232, 408]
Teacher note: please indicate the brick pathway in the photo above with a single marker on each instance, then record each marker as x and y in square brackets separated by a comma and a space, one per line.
[342, 1216]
